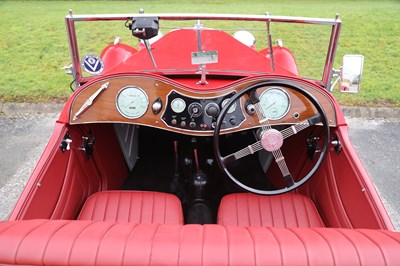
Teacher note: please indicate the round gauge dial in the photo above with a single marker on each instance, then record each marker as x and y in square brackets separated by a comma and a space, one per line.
[132, 102]
[178, 105]
[232, 108]
[195, 109]
[275, 103]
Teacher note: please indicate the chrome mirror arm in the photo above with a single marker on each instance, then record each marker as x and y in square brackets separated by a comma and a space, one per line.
[336, 74]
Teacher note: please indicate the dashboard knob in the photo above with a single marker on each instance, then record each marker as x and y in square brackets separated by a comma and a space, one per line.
[192, 124]
[157, 105]
[250, 109]
[212, 109]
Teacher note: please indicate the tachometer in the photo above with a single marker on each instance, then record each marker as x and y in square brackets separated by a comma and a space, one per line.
[275, 103]
[132, 102]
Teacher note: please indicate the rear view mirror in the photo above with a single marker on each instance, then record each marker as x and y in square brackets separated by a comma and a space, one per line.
[351, 73]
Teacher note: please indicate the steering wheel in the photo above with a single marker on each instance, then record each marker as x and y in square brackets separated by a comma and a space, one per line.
[271, 139]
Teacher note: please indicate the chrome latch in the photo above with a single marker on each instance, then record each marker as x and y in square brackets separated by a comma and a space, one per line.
[88, 144]
[336, 144]
[68, 69]
[312, 146]
[65, 143]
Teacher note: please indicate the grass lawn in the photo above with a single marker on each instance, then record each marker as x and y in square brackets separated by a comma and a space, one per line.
[34, 46]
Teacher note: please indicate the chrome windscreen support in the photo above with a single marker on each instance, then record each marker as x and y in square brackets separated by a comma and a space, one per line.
[271, 53]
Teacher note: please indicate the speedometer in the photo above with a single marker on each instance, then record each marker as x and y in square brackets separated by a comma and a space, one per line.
[132, 102]
[275, 103]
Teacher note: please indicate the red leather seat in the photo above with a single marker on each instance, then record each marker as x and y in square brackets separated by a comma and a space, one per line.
[133, 207]
[61, 242]
[286, 210]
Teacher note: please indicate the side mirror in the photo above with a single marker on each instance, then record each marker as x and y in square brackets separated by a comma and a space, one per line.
[351, 73]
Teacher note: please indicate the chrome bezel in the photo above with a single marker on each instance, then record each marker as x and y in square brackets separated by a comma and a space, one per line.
[129, 116]
[201, 109]
[287, 97]
[232, 108]
[175, 100]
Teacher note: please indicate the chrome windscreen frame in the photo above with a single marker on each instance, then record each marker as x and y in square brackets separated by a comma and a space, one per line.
[335, 23]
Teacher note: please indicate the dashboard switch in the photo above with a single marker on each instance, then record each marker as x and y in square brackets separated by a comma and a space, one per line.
[212, 109]
[157, 106]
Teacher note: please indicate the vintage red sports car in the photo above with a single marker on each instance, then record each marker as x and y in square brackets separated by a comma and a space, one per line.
[201, 139]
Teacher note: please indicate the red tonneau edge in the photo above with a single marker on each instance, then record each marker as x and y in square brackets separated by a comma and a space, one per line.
[62, 242]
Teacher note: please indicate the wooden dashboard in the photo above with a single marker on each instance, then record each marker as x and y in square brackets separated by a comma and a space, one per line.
[196, 112]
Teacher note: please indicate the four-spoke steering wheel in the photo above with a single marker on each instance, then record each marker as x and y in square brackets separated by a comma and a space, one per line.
[271, 139]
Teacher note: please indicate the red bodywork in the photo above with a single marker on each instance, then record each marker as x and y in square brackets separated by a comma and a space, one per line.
[72, 213]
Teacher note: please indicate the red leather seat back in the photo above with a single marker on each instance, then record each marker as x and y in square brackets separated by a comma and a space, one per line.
[286, 210]
[133, 207]
[60, 242]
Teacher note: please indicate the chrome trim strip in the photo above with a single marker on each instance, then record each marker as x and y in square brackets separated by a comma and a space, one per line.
[168, 16]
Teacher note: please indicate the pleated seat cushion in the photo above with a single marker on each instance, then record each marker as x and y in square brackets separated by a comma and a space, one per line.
[66, 242]
[133, 206]
[286, 210]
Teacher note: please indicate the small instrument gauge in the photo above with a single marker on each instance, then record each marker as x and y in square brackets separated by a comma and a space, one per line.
[195, 110]
[178, 105]
[275, 103]
[232, 108]
[132, 102]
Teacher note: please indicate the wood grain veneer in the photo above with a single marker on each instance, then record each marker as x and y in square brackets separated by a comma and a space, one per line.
[103, 109]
